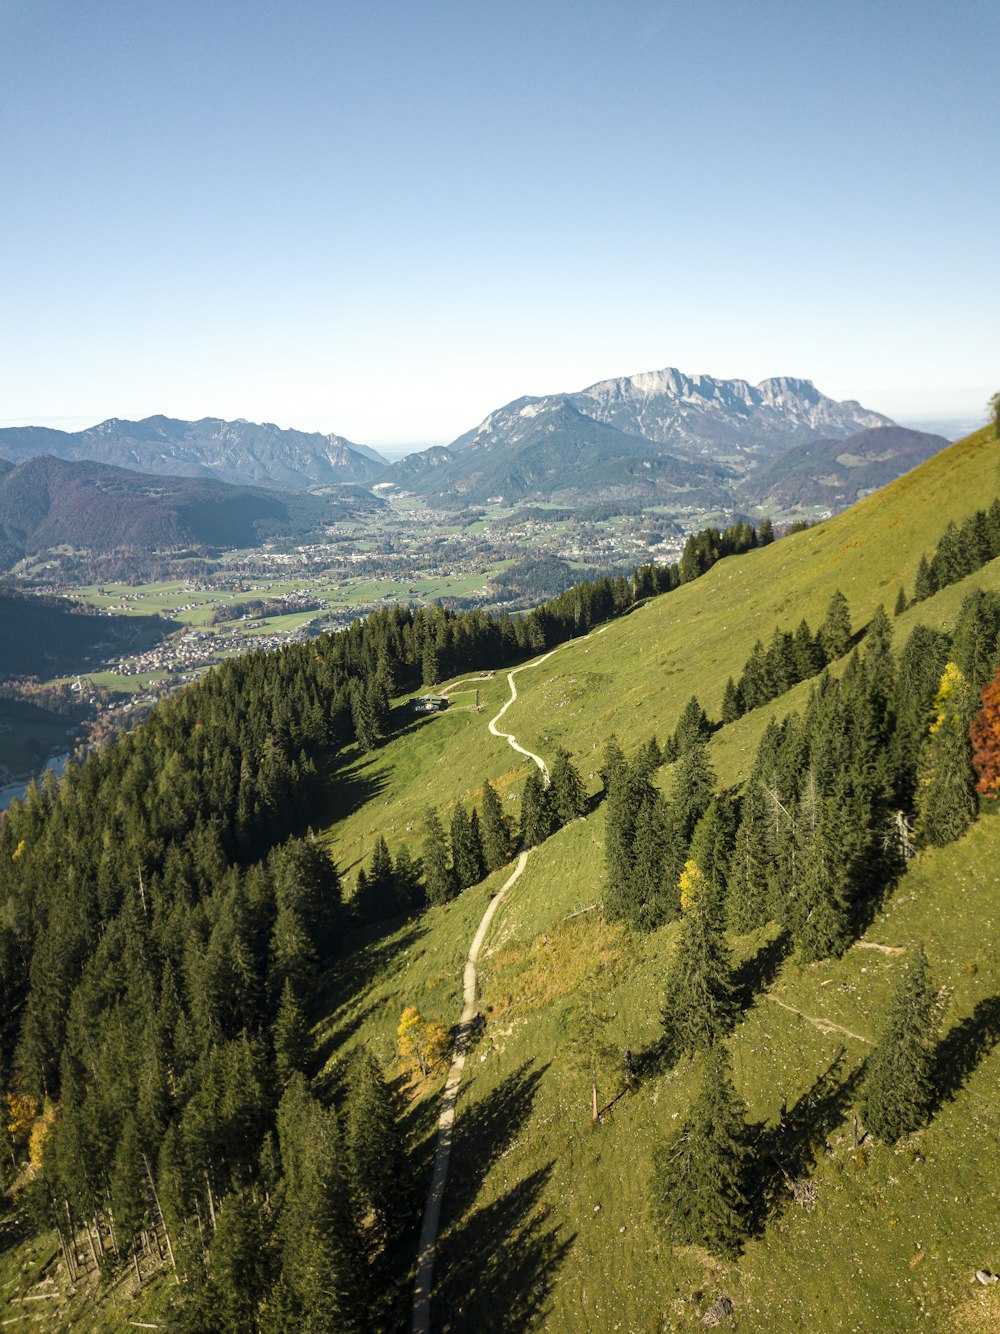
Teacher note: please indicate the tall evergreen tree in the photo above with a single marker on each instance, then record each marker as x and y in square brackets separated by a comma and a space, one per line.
[496, 830]
[567, 798]
[692, 789]
[536, 813]
[466, 849]
[700, 1004]
[897, 1081]
[700, 1183]
[376, 1159]
[835, 632]
[440, 883]
[292, 1041]
[946, 796]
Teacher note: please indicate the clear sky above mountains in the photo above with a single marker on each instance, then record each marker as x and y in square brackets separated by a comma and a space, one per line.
[386, 219]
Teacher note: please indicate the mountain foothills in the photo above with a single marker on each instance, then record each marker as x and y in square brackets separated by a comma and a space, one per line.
[48, 502]
[238, 451]
[736, 1060]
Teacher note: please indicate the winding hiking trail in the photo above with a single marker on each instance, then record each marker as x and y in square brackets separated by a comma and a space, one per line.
[446, 1121]
[535, 662]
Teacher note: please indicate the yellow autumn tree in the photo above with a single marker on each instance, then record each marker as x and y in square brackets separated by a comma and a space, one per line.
[22, 1111]
[691, 885]
[422, 1043]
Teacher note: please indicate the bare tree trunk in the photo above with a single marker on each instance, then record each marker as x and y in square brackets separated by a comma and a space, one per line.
[211, 1200]
[593, 1098]
[93, 1248]
[135, 1261]
[163, 1221]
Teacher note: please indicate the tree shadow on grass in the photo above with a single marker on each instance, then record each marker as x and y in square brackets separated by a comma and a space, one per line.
[962, 1048]
[345, 787]
[790, 1150]
[759, 971]
[497, 1267]
[495, 1263]
[370, 952]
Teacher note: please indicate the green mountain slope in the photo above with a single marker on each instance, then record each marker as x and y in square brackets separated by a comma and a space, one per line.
[548, 1220]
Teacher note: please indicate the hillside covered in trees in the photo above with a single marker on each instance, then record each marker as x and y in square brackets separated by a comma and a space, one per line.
[744, 990]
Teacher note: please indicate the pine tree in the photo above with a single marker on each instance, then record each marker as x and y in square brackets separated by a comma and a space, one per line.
[292, 1041]
[732, 707]
[466, 849]
[376, 1161]
[536, 815]
[700, 1005]
[440, 883]
[700, 1184]
[496, 831]
[691, 790]
[835, 632]
[925, 585]
[897, 1080]
[567, 798]
[823, 909]
[946, 795]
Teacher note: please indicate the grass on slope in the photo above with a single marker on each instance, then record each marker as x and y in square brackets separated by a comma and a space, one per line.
[544, 1215]
[547, 1219]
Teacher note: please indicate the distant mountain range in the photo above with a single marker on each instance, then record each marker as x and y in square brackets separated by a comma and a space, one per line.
[49, 502]
[662, 437]
[686, 443]
[239, 451]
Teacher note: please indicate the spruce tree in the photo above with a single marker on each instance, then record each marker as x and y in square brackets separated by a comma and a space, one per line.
[822, 917]
[440, 884]
[567, 798]
[945, 794]
[649, 898]
[692, 789]
[379, 1175]
[925, 585]
[896, 1094]
[747, 883]
[496, 831]
[732, 707]
[835, 632]
[700, 1005]
[613, 764]
[692, 728]
[466, 850]
[901, 602]
[536, 814]
[292, 1040]
[701, 1175]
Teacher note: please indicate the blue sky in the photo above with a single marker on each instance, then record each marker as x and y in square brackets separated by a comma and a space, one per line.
[385, 219]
